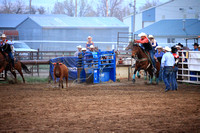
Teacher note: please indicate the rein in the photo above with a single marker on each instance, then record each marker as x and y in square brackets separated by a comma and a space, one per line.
[141, 60]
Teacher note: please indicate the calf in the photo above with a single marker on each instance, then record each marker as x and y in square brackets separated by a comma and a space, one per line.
[60, 71]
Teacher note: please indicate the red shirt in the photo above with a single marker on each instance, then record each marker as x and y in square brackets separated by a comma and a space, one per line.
[175, 55]
[145, 40]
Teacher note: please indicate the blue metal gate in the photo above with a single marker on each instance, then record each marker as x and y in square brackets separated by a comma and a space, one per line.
[97, 67]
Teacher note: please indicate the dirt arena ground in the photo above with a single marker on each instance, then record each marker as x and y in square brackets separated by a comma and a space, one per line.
[111, 107]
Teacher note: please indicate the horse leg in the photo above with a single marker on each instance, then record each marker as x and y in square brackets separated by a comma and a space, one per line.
[150, 77]
[145, 75]
[14, 74]
[1, 70]
[138, 73]
[20, 72]
[134, 75]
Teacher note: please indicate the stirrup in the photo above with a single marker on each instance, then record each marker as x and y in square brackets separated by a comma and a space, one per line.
[154, 70]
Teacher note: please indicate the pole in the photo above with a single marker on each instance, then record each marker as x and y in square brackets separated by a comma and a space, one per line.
[134, 7]
[106, 8]
[76, 9]
[30, 6]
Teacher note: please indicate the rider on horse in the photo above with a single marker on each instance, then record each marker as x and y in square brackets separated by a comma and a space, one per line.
[6, 48]
[147, 47]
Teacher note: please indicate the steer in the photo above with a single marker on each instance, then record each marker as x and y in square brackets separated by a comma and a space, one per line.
[60, 71]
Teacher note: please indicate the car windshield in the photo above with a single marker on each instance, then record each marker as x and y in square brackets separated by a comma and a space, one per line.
[21, 45]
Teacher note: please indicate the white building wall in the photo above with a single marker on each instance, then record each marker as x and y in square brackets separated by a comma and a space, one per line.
[138, 21]
[127, 21]
[169, 10]
[162, 41]
[178, 9]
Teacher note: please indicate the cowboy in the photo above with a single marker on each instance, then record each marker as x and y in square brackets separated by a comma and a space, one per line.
[175, 69]
[92, 49]
[153, 43]
[147, 47]
[196, 45]
[167, 64]
[79, 50]
[3, 42]
[5, 47]
[158, 55]
[89, 43]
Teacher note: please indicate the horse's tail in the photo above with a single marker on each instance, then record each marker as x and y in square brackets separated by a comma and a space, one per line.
[25, 68]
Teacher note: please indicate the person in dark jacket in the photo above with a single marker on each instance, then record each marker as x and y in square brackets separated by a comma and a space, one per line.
[175, 69]
[5, 47]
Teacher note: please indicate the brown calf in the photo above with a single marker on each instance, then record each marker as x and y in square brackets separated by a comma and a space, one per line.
[60, 71]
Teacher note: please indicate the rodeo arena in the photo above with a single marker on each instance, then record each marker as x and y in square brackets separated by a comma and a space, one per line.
[101, 74]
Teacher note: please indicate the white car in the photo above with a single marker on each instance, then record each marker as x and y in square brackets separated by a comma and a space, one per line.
[23, 49]
[21, 46]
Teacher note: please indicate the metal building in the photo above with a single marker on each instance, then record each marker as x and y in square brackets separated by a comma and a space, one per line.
[60, 32]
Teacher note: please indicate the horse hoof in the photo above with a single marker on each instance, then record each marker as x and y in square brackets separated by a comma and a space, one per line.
[133, 80]
[139, 76]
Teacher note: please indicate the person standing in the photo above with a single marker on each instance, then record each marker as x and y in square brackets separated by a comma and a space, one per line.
[158, 56]
[79, 50]
[89, 43]
[196, 45]
[175, 69]
[147, 47]
[167, 64]
[153, 43]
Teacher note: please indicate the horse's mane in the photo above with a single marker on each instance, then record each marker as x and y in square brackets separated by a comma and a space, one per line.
[135, 44]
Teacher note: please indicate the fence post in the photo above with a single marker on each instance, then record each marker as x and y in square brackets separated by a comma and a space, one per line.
[37, 64]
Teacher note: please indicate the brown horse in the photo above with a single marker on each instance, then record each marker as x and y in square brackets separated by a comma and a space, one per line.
[4, 65]
[143, 62]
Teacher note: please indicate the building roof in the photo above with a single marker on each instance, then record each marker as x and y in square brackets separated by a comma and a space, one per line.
[173, 27]
[77, 22]
[60, 21]
[12, 20]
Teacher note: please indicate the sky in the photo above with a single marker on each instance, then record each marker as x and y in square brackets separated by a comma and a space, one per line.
[49, 4]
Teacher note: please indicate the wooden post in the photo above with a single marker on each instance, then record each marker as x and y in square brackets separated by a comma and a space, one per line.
[37, 64]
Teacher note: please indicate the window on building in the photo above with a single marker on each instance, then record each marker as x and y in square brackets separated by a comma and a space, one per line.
[170, 40]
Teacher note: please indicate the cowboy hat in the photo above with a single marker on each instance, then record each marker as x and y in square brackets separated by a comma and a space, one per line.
[196, 44]
[91, 46]
[89, 37]
[151, 36]
[3, 36]
[79, 46]
[158, 47]
[178, 46]
[84, 49]
[168, 49]
[142, 34]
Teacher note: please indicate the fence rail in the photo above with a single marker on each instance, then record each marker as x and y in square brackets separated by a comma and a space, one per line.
[188, 71]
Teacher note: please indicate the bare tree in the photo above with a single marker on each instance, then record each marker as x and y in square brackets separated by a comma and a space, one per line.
[41, 10]
[19, 7]
[149, 3]
[115, 9]
[7, 7]
[84, 8]
[69, 7]
[58, 8]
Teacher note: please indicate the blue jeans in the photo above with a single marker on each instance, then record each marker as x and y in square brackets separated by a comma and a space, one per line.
[161, 74]
[152, 57]
[167, 77]
[11, 57]
[174, 75]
